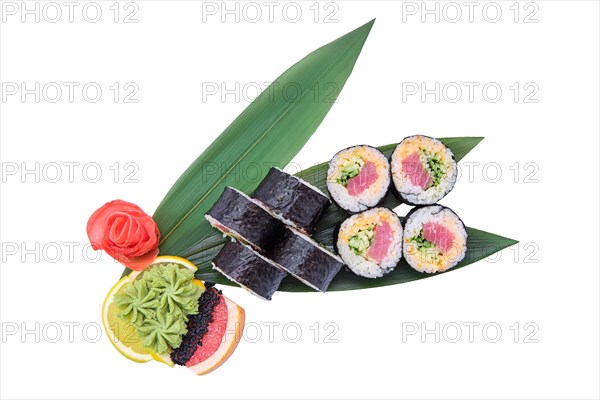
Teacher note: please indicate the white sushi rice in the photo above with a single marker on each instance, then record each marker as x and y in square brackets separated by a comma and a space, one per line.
[373, 194]
[414, 194]
[434, 260]
[362, 265]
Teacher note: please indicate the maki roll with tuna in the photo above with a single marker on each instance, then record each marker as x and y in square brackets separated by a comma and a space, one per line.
[306, 260]
[240, 217]
[423, 170]
[435, 239]
[358, 178]
[370, 243]
[292, 200]
[244, 266]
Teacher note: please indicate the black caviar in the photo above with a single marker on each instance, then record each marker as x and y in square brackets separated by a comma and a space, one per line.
[197, 325]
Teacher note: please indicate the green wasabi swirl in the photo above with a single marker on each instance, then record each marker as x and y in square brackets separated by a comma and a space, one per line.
[158, 303]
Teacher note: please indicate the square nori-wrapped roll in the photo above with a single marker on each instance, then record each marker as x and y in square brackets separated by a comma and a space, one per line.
[244, 266]
[241, 217]
[292, 200]
[306, 260]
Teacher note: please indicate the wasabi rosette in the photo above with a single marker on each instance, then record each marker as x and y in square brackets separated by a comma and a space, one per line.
[164, 313]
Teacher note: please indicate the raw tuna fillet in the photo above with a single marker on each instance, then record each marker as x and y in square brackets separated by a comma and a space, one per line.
[365, 178]
[382, 238]
[413, 168]
[439, 235]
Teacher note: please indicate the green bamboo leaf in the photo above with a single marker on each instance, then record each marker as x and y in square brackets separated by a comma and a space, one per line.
[203, 253]
[269, 132]
[480, 244]
[317, 176]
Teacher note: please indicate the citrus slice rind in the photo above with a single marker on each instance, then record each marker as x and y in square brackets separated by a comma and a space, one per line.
[122, 334]
[229, 339]
[175, 260]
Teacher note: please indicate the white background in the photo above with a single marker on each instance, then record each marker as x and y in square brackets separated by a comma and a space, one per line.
[549, 280]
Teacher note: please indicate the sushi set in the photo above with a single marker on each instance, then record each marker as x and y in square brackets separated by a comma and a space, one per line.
[177, 319]
[270, 230]
[329, 227]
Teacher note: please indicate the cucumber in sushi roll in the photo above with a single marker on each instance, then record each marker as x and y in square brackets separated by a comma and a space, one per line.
[435, 239]
[370, 243]
[423, 170]
[358, 178]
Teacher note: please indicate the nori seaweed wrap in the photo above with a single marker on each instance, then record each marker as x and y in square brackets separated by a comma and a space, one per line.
[306, 260]
[241, 217]
[292, 200]
[424, 170]
[358, 178]
[435, 239]
[242, 265]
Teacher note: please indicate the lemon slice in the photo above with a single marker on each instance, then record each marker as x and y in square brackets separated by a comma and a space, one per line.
[122, 334]
[175, 260]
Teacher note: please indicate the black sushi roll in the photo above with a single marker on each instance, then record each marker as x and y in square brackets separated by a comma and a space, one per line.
[306, 260]
[292, 200]
[240, 217]
[424, 170]
[358, 178]
[252, 271]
